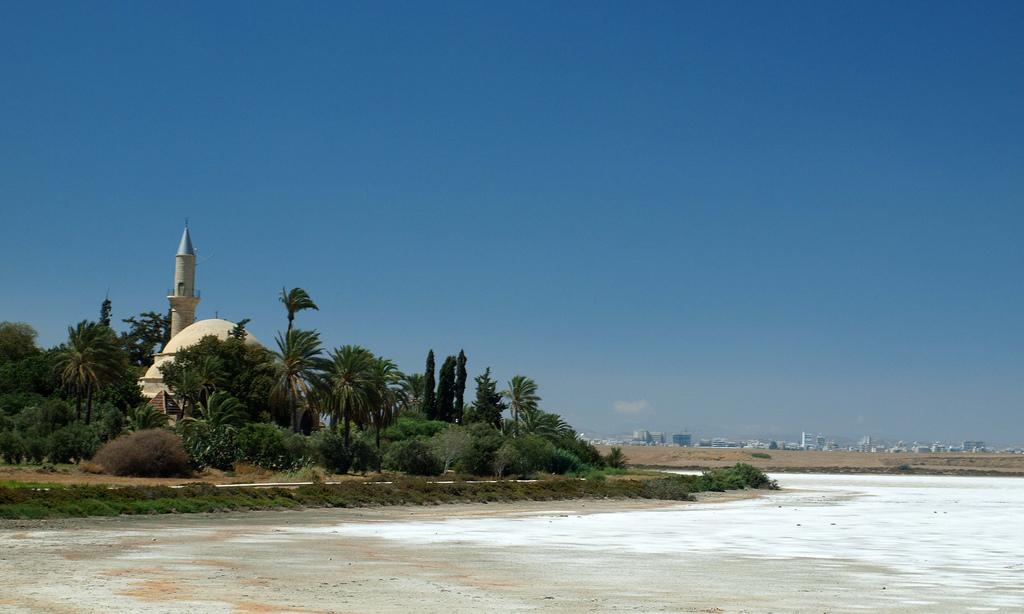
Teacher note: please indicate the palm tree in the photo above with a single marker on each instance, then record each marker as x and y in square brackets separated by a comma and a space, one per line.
[187, 386]
[144, 417]
[88, 361]
[387, 398]
[538, 422]
[522, 396]
[295, 300]
[412, 390]
[209, 372]
[297, 365]
[221, 410]
[350, 387]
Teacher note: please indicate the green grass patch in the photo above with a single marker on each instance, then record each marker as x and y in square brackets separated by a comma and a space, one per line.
[82, 501]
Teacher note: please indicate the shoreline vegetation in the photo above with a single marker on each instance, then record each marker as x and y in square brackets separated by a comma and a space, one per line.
[837, 462]
[21, 501]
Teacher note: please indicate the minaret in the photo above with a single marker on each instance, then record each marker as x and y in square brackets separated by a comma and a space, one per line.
[183, 296]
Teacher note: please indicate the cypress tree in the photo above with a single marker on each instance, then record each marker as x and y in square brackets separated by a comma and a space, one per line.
[460, 386]
[445, 406]
[429, 407]
[105, 312]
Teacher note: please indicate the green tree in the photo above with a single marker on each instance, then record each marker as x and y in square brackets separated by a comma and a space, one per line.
[297, 365]
[429, 402]
[449, 445]
[350, 386]
[387, 397]
[412, 391]
[145, 417]
[187, 387]
[488, 406]
[238, 332]
[615, 459]
[209, 371]
[533, 421]
[105, 312]
[89, 360]
[221, 411]
[247, 371]
[17, 341]
[146, 334]
[460, 387]
[294, 301]
[445, 404]
[522, 396]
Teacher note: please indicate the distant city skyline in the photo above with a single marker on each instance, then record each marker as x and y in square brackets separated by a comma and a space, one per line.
[740, 218]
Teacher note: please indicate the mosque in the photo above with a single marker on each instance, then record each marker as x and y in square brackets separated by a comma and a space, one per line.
[185, 330]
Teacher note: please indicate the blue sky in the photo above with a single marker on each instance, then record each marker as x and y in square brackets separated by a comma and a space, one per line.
[739, 218]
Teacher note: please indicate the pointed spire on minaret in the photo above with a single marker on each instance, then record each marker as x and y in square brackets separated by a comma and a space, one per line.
[185, 246]
[183, 296]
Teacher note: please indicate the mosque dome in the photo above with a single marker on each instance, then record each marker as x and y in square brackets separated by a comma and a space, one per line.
[152, 381]
[194, 333]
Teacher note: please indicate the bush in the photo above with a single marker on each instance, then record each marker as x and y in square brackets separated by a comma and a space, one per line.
[43, 419]
[12, 448]
[209, 446]
[73, 443]
[297, 448]
[409, 427]
[615, 459]
[364, 455]
[330, 452]
[36, 449]
[153, 453]
[739, 476]
[760, 455]
[108, 421]
[673, 489]
[583, 450]
[533, 454]
[478, 458]
[264, 445]
[412, 456]
[563, 461]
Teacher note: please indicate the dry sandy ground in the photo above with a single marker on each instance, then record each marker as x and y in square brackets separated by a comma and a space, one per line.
[252, 563]
[825, 462]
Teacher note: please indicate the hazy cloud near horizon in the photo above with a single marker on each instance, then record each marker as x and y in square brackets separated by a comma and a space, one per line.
[631, 407]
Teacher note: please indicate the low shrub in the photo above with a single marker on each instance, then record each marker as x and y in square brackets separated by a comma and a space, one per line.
[148, 453]
[739, 476]
[364, 455]
[412, 456]
[563, 461]
[329, 451]
[107, 421]
[12, 448]
[673, 489]
[615, 459]
[72, 443]
[409, 427]
[264, 445]
[478, 457]
[760, 455]
[36, 449]
[210, 446]
[533, 453]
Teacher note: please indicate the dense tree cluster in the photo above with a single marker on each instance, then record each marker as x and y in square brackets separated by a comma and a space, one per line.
[300, 404]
